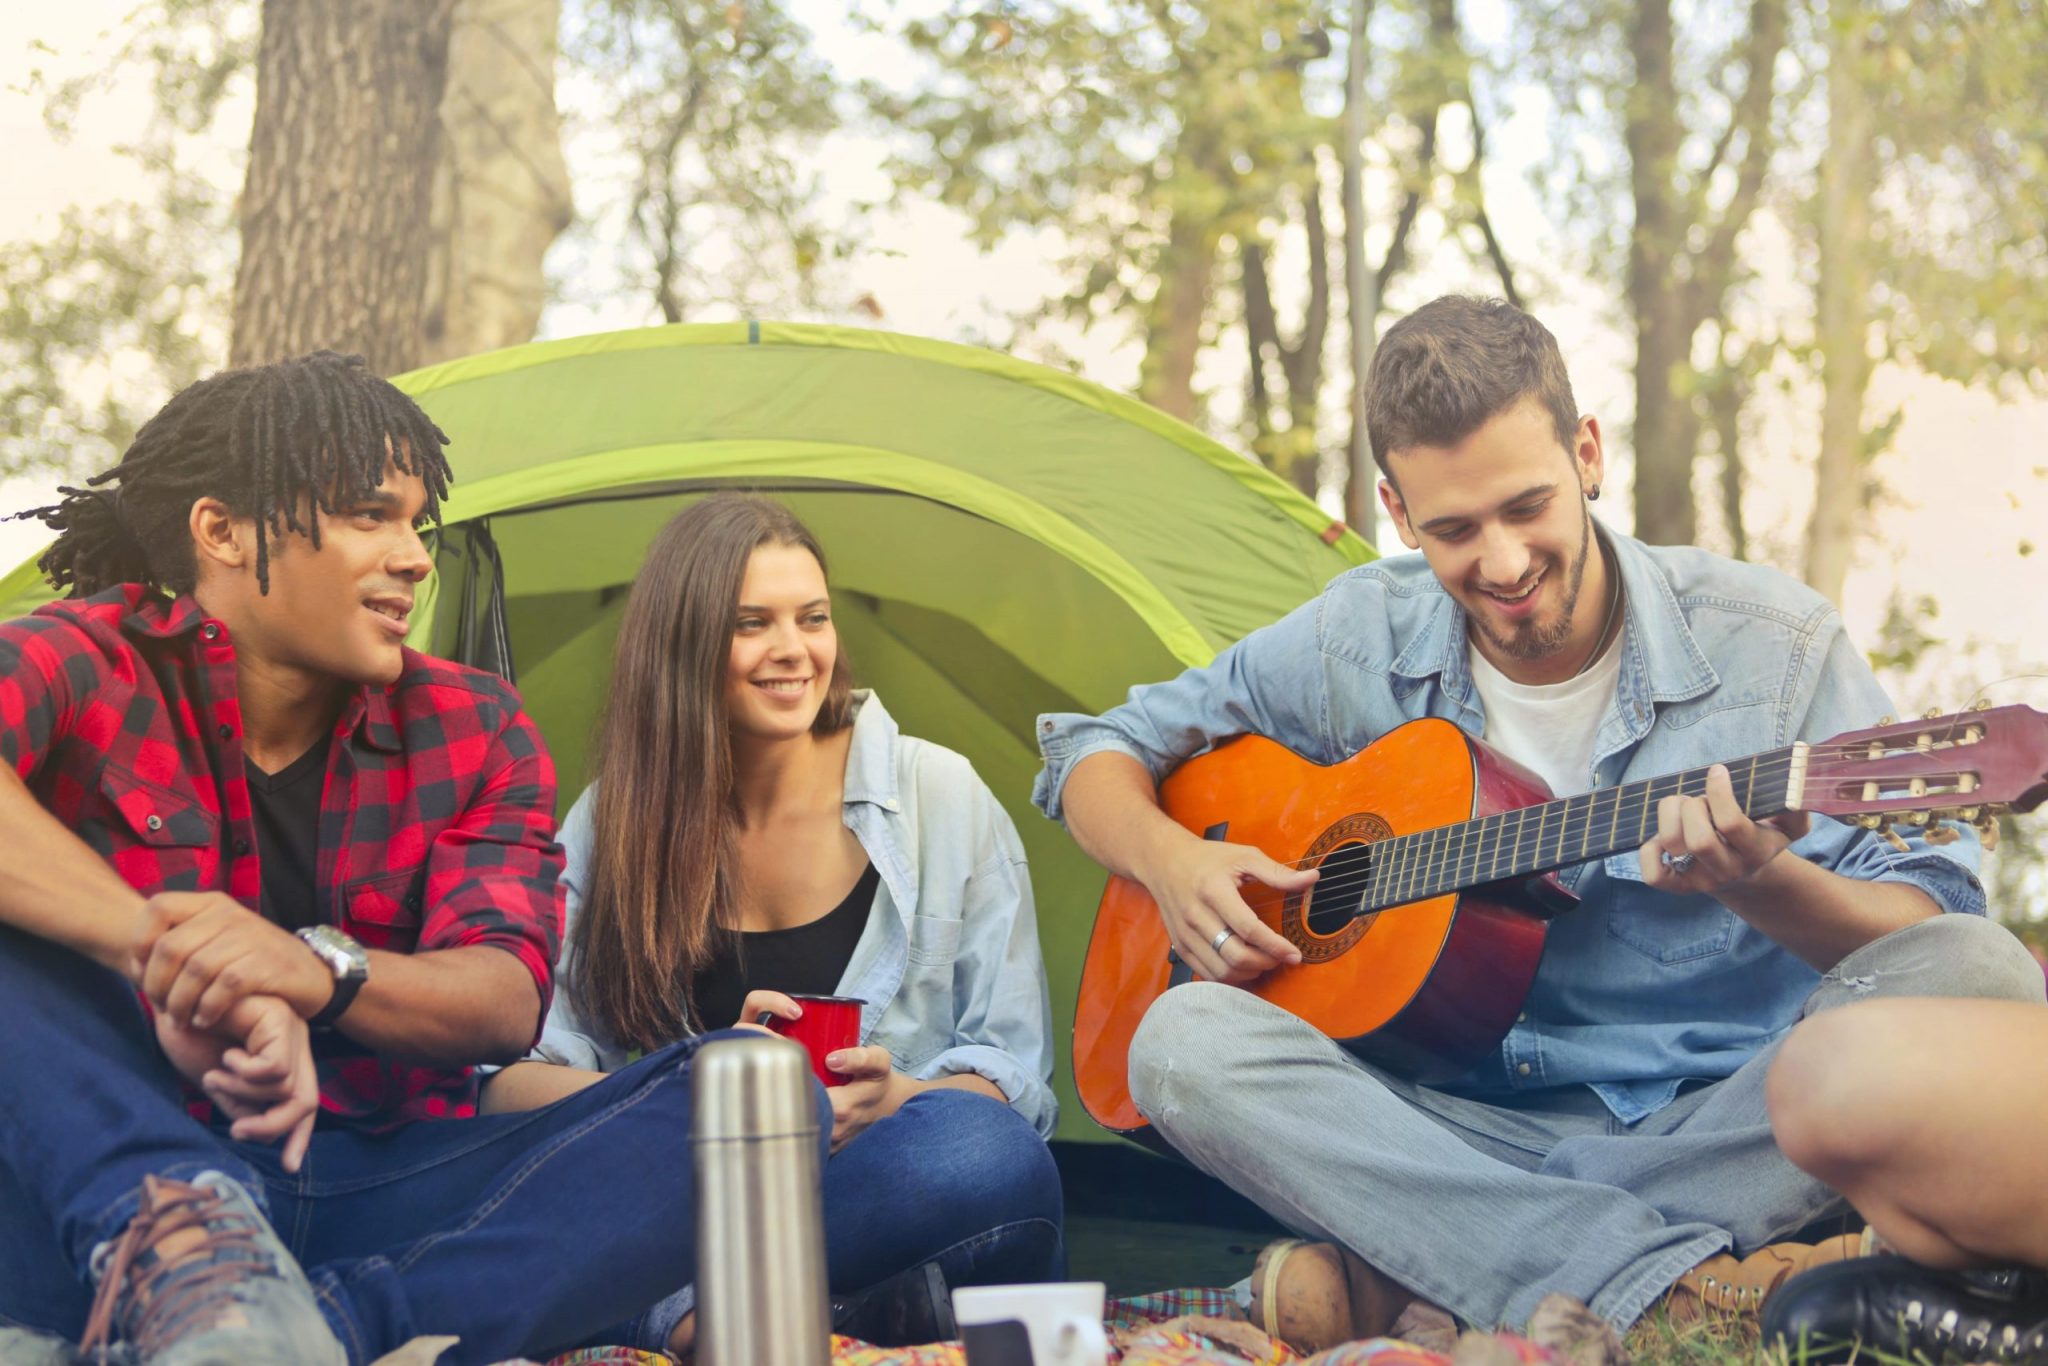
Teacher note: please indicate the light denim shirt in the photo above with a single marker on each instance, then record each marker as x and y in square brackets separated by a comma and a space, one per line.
[948, 964]
[1638, 990]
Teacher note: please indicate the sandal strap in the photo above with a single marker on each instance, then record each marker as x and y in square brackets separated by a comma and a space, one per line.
[1277, 1253]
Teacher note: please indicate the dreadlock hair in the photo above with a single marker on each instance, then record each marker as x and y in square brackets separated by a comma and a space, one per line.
[319, 429]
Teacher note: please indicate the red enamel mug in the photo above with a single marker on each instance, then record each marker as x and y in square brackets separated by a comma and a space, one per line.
[828, 1024]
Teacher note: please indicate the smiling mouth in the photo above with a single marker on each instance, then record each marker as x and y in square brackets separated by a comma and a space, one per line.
[782, 685]
[1522, 596]
[391, 611]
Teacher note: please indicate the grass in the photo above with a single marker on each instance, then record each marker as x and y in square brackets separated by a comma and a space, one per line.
[1656, 1341]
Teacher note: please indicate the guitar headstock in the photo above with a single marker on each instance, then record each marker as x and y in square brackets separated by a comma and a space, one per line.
[1966, 767]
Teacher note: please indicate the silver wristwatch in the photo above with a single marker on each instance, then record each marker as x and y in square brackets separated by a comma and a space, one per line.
[349, 962]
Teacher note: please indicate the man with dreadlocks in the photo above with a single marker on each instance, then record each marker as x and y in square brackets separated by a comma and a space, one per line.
[265, 865]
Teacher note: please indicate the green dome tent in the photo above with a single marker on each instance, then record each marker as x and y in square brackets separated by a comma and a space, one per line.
[1005, 539]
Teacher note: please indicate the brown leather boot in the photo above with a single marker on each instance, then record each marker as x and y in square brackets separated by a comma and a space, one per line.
[1725, 1285]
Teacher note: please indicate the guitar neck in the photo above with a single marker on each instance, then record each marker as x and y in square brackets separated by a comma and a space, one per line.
[1529, 840]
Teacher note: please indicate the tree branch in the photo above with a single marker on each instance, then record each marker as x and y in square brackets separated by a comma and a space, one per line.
[1397, 249]
[1494, 251]
[1752, 115]
[1304, 360]
[1261, 330]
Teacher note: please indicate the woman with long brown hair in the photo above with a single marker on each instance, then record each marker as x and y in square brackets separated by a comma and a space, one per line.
[757, 829]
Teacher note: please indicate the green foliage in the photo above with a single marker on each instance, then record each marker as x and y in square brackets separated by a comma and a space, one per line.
[1110, 123]
[1927, 672]
[1578, 53]
[124, 303]
[1960, 185]
[715, 105]
[101, 321]
[1903, 639]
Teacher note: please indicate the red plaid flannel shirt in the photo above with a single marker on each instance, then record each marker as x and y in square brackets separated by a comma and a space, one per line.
[436, 830]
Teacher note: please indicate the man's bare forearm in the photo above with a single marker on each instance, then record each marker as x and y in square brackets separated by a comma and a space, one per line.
[1820, 915]
[445, 1008]
[1111, 808]
[53, 886]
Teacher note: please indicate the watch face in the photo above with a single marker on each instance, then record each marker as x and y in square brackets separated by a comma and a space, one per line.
[337, 950]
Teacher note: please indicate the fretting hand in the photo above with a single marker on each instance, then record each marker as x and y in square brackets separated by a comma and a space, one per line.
[1706, 845]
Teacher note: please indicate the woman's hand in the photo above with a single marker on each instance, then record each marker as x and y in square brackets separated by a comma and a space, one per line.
[874, 1090]
[771, 1002]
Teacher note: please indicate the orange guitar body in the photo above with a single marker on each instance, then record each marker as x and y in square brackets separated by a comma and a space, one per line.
[1427, 988]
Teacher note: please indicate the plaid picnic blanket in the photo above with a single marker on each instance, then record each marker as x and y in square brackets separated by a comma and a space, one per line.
[1171, 1328]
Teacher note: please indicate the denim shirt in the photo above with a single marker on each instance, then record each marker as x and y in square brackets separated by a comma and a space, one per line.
[1638, 990]
[948, 964]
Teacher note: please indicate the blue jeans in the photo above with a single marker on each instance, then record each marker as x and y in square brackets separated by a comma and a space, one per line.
[953, 1178]
[523, 1234]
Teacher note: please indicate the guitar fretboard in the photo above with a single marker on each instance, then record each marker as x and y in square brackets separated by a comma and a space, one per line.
[1536, 839]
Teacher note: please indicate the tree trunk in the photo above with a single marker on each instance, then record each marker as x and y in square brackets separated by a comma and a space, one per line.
[1361, 283]
[336, 209]
[501, 190]
[1173, 331]
[1663, 485]
[1725, 403]
[1261, 336]
[1839, 499]
[1303, 362]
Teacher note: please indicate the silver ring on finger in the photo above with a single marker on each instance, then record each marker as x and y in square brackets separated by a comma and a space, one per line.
[1223, 936]
[1680, 863]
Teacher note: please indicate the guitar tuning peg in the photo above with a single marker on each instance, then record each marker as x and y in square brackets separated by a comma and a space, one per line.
[1886, 720]
[1931, 713]
[1981, 704]
[1939, 833]
[1892, 838]
[1871, 822]
[1917, 817]
[1987, 833]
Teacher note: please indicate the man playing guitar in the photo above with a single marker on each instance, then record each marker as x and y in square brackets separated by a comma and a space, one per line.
[1615, 1147]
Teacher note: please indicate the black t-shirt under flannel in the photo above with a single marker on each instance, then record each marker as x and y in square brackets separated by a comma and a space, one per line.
[286, 808]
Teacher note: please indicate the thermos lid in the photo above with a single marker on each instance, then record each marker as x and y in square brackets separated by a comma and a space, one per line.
[755, 1086]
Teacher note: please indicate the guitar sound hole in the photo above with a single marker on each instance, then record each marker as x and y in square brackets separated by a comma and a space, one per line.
[1333, 901]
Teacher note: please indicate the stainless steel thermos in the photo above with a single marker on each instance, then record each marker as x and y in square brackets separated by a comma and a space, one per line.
[761, 1292]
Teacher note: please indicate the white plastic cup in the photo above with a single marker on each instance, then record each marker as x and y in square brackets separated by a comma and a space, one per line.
[1032, 1325]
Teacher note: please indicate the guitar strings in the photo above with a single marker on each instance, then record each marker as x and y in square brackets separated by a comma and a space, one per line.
[1402, 858]
[1393, 856]
[1391, 859]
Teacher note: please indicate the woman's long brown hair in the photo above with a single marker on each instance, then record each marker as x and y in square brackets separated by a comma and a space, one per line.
[663, 868]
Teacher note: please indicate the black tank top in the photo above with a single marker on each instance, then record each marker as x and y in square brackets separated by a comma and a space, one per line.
[806, 960]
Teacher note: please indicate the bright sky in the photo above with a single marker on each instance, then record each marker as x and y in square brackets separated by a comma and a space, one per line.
[1968, 474]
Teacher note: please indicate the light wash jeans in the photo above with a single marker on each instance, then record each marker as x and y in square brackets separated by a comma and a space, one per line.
[1485, 1208]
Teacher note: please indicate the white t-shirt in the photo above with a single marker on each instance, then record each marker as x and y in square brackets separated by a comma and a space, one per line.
[1548, 727]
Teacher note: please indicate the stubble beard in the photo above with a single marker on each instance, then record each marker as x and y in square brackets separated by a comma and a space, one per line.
[1538, 640]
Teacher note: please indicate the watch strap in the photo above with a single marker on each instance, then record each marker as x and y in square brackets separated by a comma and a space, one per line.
[345, 959]
[345, 989]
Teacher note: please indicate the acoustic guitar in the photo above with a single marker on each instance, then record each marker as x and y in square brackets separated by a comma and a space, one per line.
[1437, 855]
